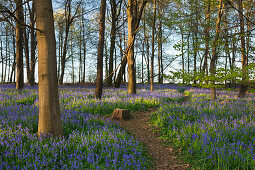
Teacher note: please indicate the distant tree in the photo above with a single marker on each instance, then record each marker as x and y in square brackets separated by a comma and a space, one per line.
[69, 19]
[49, 110]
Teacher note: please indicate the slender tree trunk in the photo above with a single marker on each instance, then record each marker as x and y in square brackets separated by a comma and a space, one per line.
[159, 49]
[67, 29]
[120, 73]
[188, 58]
[194, 35]
[100, 52]
[147, 47]
[113, 37]
[27, 56]
[49, 110]
[244, 85]
[72, 56]
[153, 45]
[142, 61]
[80, 51]
[32, 47]
[234, 58]
[182, 53]
[207, 38]
[84, 61]
[227, 51]
[6, 55]
[214, 50]
[106, 58]
[9, 67]
[14, 58]
[60, 52]
[2, 59]
[19, 46]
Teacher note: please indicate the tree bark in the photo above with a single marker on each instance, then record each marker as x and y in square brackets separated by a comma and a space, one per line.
[130, 53]
[69, 21]
[244, 85]
[31, 75]
[113, 37]
[19, 45]
[207, 38]
[214, 52]
[100, 52]
[2, 61]
[153, 44]
[49, 111]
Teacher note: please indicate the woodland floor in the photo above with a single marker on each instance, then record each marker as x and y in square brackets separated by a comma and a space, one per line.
[163, 156]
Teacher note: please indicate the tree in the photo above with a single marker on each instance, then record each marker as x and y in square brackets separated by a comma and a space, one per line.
[153, 44]
[214, 50]
[69, 19]
[113, 37]
[134, 14]
[100, 52]
[243, 87]
[19, 45]
[30, 64]
[49, 111]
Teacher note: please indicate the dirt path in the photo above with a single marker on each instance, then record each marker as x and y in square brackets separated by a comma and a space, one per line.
[163, 156]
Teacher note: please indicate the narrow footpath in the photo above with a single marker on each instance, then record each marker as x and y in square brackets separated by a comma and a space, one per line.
[164, 157]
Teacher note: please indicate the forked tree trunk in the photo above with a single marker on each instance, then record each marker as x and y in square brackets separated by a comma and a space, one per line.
[49, 111]
[19, 45]
[100, 52]
[134, 18]
[214, 52]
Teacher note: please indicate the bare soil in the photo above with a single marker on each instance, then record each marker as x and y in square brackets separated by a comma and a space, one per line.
[164, 157]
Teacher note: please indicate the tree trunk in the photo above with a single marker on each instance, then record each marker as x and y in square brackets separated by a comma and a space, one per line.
[121, 73]
[14, 59]
[130, 53]
[106, 57]
[153, 45]
[19, 45]
[27, 55]
[67, 29]
[31, 76]
[244, 85]
[160, 50]
[147, 47]
[207, 39]
[2, 61]
[49, 111]
[182, 52]
[100, 52]
[113, 37]
[72, 56]
[214, 51]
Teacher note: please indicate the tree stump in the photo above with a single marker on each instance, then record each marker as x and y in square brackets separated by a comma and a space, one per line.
[121, 114]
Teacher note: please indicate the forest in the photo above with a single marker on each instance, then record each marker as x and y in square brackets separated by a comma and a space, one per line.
[127, 84]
